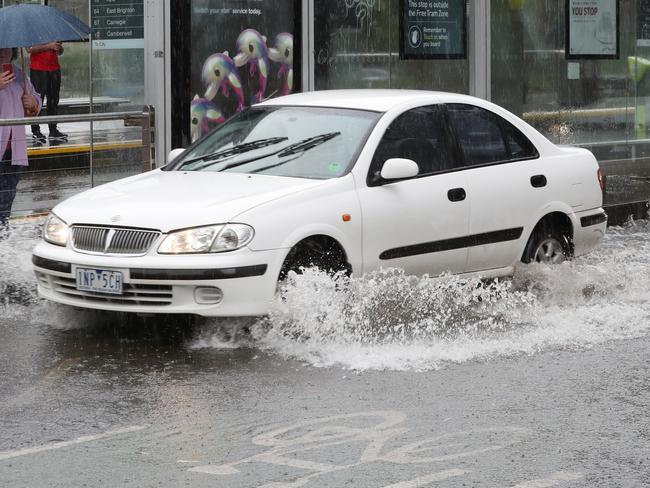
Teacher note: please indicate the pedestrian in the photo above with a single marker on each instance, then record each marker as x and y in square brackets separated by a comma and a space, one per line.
[14, 103]
[45, 73]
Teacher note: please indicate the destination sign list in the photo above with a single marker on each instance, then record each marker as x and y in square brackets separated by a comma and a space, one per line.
[117, 19]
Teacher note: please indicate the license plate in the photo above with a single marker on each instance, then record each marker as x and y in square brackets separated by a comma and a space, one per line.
[99, 281]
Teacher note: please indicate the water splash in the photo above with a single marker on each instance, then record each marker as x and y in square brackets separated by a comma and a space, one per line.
[225, 333]
[389, 321]
[17, 285]
[387, 306]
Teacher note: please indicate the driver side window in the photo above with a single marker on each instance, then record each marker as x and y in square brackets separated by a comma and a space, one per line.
[418, 135]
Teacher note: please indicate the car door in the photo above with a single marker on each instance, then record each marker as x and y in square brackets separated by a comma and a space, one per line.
[506, 184]
[418, 223]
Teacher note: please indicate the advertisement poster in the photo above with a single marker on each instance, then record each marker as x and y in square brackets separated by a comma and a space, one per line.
[592, 29]
[643, 23]
[433, 29]
[242, 53]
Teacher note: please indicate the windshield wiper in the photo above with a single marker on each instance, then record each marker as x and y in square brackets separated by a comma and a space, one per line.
[294, 148]
[271, 166]
[238, 149]
[307, 144]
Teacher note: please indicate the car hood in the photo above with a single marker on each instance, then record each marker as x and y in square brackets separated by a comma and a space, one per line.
[168, 200]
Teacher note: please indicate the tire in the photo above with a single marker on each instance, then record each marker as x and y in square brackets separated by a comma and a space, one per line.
[314, 254]
[546, 246]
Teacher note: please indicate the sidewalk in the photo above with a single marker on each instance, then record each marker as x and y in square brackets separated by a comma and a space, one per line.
[59, 169]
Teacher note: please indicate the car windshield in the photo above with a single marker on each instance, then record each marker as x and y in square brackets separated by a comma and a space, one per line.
[301, 142]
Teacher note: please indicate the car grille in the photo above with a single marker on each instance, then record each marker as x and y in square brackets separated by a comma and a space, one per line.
[143, 295]
[107, 240]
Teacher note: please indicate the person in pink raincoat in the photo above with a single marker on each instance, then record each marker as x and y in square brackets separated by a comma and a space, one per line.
[13, 146]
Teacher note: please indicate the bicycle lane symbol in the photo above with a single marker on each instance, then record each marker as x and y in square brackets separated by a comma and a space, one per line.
[287, 443]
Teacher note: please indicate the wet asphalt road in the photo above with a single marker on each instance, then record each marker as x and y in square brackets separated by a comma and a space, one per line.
[133, 405]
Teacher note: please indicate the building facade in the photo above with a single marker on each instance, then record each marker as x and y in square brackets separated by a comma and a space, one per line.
[577, 70]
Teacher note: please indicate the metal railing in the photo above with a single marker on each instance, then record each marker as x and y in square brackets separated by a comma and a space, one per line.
[100, 148]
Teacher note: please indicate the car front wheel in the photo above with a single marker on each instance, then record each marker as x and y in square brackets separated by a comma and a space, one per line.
[317, 251]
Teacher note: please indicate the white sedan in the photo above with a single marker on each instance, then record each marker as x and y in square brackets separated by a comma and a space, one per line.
[350, 180]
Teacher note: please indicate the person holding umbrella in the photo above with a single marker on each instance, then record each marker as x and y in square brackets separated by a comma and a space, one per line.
[41, 29]
[17, 98]
[21, 26]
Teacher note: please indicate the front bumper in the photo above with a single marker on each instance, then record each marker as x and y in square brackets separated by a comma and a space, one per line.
[184, 284]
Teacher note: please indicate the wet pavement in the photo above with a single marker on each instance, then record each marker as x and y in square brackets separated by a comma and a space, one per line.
[107, 405]
[60, 169]
[538, 381]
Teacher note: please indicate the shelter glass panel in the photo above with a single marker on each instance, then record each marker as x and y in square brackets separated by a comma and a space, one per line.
[357, 45]
[588, 101]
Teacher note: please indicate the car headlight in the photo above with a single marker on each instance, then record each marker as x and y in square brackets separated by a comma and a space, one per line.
[55, 231]
[213, 238]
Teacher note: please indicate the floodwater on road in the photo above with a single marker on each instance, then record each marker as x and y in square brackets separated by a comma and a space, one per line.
[388, 321]
[384, 381]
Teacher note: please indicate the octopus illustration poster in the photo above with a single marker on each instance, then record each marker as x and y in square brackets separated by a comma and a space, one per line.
[242, 53]
[592, 29]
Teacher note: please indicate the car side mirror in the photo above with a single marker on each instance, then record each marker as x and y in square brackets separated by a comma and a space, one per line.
[399, 168]
[174, 153]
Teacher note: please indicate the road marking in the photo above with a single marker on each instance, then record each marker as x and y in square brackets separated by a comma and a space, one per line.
[554, 479]
[430, 478]
[324, 430]
[79, 440]
[436, 449]
[315, 434]
[218, 469]
[289, 445]
[298, 463]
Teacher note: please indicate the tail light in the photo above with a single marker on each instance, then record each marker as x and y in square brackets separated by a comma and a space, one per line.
[601, 179]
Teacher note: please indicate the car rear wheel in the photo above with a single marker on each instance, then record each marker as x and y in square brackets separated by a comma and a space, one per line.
[548, 247]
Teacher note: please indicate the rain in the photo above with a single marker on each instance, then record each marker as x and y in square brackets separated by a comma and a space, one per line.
[380, 379]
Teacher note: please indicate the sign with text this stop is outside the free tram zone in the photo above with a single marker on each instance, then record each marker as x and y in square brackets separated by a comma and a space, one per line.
[117, 24]
[433, 29]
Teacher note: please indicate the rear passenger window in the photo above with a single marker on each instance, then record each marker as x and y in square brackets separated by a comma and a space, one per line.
[487, 138]
[519, 145]
[418, 135]
[479, 134]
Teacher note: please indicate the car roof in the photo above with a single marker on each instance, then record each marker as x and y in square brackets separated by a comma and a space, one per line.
[368, 99]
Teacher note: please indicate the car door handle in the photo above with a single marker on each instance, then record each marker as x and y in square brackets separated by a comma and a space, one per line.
[456, 194]
[538, 181]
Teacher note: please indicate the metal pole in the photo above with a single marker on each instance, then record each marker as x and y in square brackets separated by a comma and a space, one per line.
[64, 119]
[90, 96]
[147, 112]
[480, 49]
[22, 65]
[307, 41]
